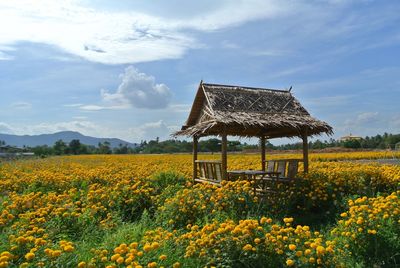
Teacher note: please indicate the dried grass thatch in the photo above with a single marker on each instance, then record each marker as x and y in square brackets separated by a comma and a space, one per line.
[249, 112]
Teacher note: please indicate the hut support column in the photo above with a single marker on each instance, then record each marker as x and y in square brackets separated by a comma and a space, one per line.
[195, 145]
[224, 146]
[305, 151]
[262, 145]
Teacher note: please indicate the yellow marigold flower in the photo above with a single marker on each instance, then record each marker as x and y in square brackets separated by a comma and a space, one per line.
[152, 265]
[133, 245]
[155, 245]
[128, 260]
[48, 251]
[120, 260]
[299, 253]
[176, 265]
[147, 247]
[163, 257]
[257, 240]
[115, 257]
[6, 253]
[307, 252]
[287, 220]
[289, 262]
[82, 264]
[4, 259]
[68, 248]
[292, 247]
[56, 253]
[320, 250]
[343, 215]
[29, 256]
[247, 247]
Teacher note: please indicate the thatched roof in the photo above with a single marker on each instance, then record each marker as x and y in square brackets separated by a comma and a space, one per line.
[246, 111]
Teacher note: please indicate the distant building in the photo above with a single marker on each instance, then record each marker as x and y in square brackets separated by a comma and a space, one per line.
[8, 151]
[397, 146]
[350, 138]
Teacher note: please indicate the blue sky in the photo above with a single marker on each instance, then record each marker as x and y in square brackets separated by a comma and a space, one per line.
[130, 69]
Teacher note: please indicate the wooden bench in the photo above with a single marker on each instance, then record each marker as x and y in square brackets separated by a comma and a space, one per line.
[287, 168]
[286, 172]
[209, 171]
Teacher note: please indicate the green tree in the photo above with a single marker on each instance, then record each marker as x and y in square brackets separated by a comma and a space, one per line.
[104, 148]
[210, 145]
[355, 144]
[42, 150]
[74, 146]
[59, 147]
[121, 149]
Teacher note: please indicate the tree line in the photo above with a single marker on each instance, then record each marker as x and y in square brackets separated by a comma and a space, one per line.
[385, 141]
[211, 145]
[75, 147]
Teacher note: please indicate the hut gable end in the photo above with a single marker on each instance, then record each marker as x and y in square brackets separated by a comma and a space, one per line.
[256, 100]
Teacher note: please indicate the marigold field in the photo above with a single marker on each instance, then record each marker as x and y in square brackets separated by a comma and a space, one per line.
[143, 211]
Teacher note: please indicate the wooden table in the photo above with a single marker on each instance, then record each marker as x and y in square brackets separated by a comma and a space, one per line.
[252, 175]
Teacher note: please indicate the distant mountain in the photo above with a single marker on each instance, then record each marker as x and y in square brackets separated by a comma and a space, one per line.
[66, 136]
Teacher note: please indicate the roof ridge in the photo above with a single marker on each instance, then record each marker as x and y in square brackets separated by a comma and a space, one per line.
[246, 87]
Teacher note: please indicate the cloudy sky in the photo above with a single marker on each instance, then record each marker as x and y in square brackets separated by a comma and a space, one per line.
[130, 69]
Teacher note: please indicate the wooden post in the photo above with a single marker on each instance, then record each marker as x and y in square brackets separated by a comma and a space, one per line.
[305, 151]
[195, 144]
[224, 146]
[262, 145]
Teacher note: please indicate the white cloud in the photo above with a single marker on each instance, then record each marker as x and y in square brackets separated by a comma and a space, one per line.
[337, 101]
[364, 119]
[180, 108]
[73, 105]
[80, 117]
[91, 107]
[115, 37]
[365, 123]
[4, 56]
[367, 117]
[137, 34]
[139, 90]
[6, 128]
[229, 45]
[152, 130]
[147, 131]
[269, 53]
[22, 105]
[106, 37]
[394, 123]
[83, 126]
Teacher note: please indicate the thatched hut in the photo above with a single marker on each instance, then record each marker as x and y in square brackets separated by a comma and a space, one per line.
[224, 110]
